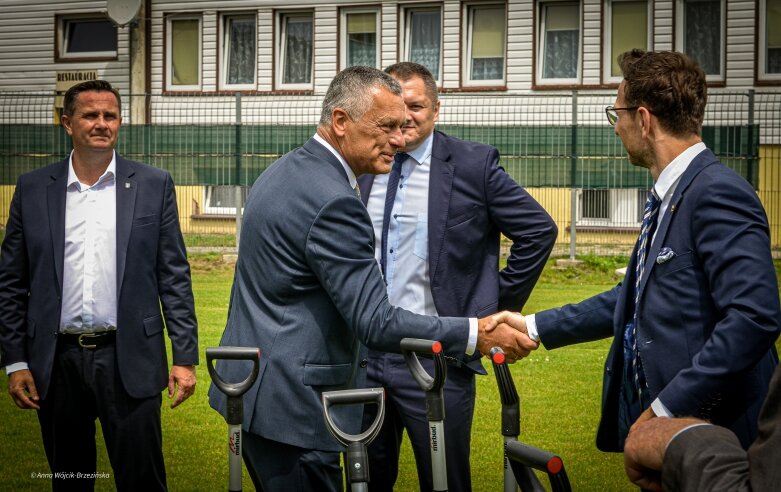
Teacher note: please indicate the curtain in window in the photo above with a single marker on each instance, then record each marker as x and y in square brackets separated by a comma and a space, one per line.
[773, 26]
[184, 52]
[241, 52]
[562, 41]
[298, 51]
[424, 39]
[362, 39]
[702, 36]
[628, 30]
[488, 43]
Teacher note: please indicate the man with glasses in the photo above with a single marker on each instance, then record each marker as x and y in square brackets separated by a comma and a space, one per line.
[695, 321]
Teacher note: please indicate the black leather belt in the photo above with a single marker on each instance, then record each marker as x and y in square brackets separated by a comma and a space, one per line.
[89, 340]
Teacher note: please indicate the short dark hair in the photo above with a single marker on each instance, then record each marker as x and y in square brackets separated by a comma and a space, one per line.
[352, 90]
[406, 70]
[69, 105]
[670, 84]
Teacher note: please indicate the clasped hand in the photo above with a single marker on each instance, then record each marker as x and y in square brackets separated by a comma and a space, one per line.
[505, 330]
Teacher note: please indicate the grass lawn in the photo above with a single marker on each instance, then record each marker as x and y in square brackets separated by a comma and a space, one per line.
[560, 394]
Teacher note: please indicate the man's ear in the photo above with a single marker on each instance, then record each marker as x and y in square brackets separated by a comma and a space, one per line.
[339, 121]
[645, 120]
[66, 123]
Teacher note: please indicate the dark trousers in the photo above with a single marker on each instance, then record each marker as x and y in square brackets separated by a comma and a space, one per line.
[405, 408]
[85, 386]
[278, 467]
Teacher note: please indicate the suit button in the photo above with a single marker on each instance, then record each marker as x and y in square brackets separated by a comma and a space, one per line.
[364, 363]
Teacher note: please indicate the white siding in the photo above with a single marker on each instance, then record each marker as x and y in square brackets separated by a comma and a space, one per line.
[520, 26]
[389, 40]
[663, 25]
[451, 42]
[326, 49]
[27, 46]
[741, 34]
[591, 71]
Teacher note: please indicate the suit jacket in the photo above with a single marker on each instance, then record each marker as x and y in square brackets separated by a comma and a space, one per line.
[711, 458]
[471, 202]
[707, 317]
[152, 272]
[308, 292]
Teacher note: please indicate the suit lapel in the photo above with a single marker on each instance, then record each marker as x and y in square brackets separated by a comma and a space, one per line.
[704, 159]
[126, 189]
[439, 191]
[365, 183]
[55, 203]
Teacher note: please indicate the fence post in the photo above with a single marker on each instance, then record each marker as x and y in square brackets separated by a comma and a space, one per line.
[573, 176]
[237, 179]
[750, 151]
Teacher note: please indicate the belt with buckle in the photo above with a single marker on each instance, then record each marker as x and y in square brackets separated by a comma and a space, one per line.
[89, 340]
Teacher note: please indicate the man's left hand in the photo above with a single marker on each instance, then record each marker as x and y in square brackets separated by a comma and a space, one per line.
[181, 383]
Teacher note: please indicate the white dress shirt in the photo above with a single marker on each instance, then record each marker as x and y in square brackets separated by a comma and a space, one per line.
[665, 188]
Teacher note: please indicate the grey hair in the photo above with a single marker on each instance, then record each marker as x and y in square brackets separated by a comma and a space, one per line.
[353, 90]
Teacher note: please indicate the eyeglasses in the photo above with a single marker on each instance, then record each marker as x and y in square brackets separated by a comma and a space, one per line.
[612, 115]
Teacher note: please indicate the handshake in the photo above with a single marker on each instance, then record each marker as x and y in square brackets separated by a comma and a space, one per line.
[508, 331]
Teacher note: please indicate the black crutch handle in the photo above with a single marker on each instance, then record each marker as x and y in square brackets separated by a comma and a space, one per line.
[539, 459]
[354, 397]
[511, 408]
[410, 347]
[233, 353]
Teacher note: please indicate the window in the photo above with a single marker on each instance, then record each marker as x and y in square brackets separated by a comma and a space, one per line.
[86, 37]
[221, 200]
[183, 52]
[485, 44]
[423, 37]
[558, 60]
[627, 28]
[359, 38]
[239, 39]
[770, 40]
[700, 33]
[611, 207]
[295, 44]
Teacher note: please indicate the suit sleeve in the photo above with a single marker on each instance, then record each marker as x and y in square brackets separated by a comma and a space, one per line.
[706, 458]
[589, 320]
[340, 251]
[14, 286]
[732, 244]
[174, 284]
[532, 231]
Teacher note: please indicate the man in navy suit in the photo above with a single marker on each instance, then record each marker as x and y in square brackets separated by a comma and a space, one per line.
[452, 203]
[93, 268]
[308, 291]
[694, 325]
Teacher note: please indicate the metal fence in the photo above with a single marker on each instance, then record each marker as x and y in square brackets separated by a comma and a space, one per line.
[558, 146]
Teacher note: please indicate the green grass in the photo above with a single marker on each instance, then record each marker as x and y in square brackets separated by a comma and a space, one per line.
[559, 390]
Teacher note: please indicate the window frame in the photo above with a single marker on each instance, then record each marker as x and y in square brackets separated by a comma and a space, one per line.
[466, 39]
[405, 33]
[343, 13]
[539, 45]
[61, 33]
[208, 191]
[680, 25]
[761, 74]
[607, 47]
[225, 46]
[170, 19]
[280, 49]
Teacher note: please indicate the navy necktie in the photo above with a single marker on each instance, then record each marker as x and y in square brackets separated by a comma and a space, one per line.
[390, 197]
[646, 235]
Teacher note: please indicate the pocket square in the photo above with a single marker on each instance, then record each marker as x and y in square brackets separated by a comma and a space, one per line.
[665, 255]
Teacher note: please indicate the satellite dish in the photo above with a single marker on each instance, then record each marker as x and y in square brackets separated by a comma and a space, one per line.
[122, 12]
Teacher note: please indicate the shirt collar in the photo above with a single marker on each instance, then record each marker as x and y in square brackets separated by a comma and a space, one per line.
[350, 174]
[670, 175]
[73, 180]
[423, 152]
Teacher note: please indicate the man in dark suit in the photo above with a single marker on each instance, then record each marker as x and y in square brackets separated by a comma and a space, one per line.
[308, 291]
[92, 252]
[444, 223]
[695, 320]
[687, 454]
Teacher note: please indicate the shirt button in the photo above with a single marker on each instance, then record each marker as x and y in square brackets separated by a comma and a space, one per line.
[391, 251]
[364, 363]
